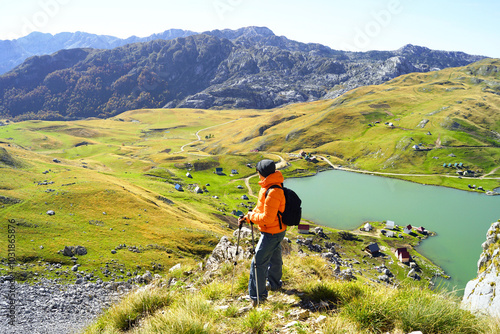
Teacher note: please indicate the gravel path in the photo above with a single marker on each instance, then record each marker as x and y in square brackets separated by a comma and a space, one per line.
[47, 307]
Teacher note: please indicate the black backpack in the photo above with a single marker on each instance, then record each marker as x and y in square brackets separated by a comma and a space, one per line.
[293, 212]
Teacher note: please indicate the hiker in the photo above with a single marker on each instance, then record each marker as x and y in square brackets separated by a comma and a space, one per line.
[267, 263]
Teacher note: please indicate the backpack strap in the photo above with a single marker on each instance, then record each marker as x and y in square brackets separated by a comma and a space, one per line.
[274, 186]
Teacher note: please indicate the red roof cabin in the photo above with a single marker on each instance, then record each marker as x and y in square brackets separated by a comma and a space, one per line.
[403, 255]
[303, 228]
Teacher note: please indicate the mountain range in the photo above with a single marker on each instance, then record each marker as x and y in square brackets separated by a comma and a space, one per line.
[15, 52]
[246, 68]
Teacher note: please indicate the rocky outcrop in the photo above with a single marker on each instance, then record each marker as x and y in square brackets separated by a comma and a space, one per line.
[482, 294]
[73, 250]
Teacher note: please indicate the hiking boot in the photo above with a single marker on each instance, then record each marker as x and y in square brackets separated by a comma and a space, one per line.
[270, 288]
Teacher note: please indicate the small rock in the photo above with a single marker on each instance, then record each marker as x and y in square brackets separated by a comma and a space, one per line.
[320, 319]
[75, 267]
[291, 324]
[113, 251]
[300, 314]
[51, 212]
[244, 309]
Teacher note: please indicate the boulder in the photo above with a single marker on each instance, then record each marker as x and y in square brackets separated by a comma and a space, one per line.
[244, 233]
[383, 278]
[225, 251]
[147, 277]
[74, 250]
[80, 250]
[68, 251]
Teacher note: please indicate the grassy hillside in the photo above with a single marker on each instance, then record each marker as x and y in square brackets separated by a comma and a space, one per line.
[112, 182]
[450, 112]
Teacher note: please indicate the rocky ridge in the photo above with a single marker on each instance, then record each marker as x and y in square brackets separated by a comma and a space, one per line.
[246, 68]
[482, 294]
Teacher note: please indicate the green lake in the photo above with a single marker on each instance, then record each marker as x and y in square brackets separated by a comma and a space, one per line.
[344, 200]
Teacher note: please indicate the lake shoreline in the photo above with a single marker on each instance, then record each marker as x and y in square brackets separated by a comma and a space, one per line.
[342, 203]
[493, 192]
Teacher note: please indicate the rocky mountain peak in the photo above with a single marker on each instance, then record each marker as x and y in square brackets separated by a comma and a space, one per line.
[247, 32]
[412, 49]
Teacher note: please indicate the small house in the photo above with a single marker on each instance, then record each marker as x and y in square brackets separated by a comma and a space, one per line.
[373, 248]
[460, 165]
[219, 171]
[416, 147]
[407, 229]
[239, 186]
[178, 187]
[367, 227]
[445, 165]
[390, 234]
[198, 190]
[189, 175]
[403, 255]
[389, 225]
[234, 171]
[303, 228]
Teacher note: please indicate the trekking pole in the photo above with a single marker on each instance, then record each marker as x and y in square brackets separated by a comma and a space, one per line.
[255, 266]
[236, 255]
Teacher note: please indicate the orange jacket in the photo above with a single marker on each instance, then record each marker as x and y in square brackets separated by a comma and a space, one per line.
[265, 214]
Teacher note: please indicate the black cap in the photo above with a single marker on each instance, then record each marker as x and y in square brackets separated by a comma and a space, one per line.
[266, 167]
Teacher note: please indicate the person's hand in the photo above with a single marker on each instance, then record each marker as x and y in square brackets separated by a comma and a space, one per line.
[241, 220]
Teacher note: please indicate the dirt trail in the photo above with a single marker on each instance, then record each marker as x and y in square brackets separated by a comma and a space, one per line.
[197, 134]
[490, 173]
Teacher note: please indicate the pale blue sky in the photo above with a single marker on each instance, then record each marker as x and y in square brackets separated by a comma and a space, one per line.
[358, 25]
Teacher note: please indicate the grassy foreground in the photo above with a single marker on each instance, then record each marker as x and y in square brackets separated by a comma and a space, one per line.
[312, 302]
